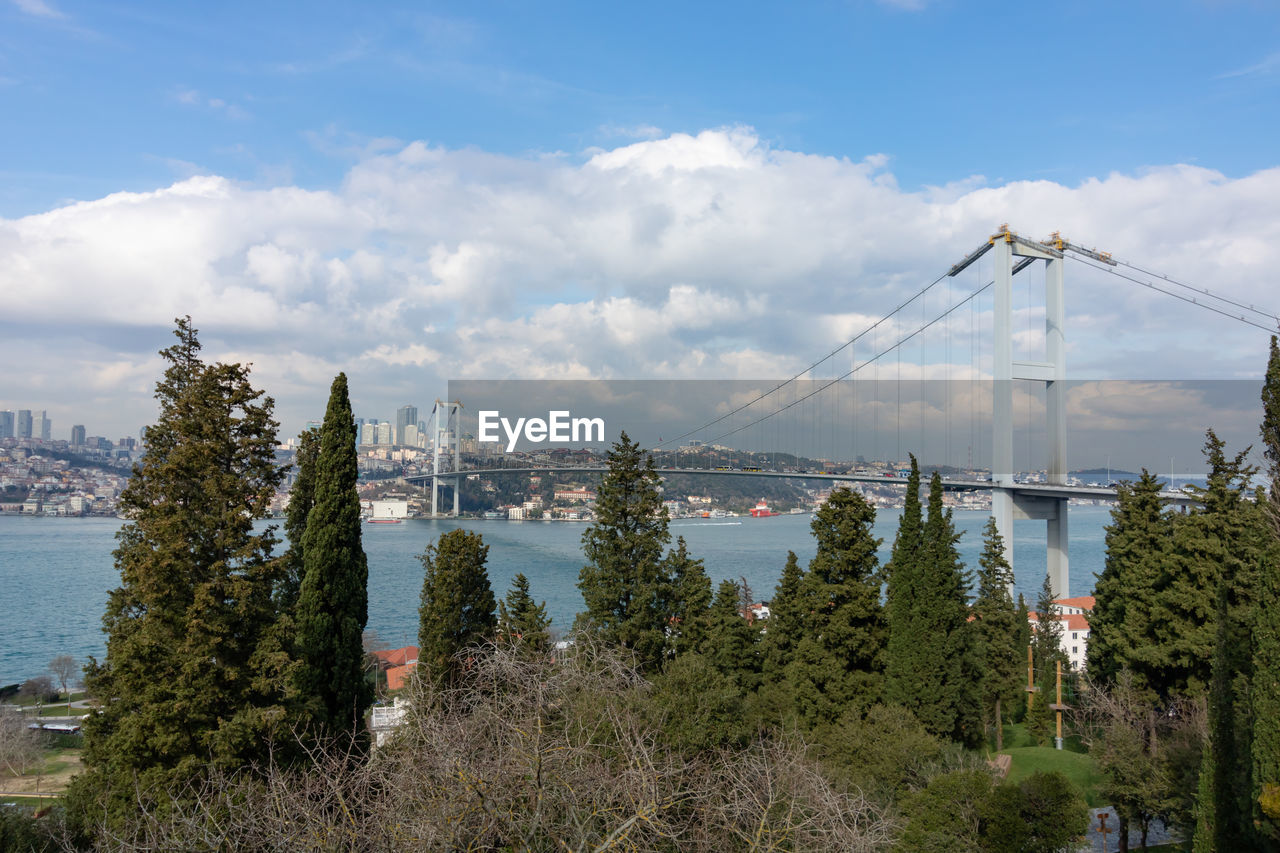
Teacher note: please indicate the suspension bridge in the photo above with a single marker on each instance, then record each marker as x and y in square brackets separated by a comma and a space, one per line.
[1015, 376]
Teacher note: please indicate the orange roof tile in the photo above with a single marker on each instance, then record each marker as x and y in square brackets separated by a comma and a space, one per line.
[1084, 602]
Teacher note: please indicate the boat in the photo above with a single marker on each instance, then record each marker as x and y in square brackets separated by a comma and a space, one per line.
[383, 520]
[761, 510]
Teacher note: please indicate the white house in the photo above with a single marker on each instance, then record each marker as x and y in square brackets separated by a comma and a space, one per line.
[1073, 615]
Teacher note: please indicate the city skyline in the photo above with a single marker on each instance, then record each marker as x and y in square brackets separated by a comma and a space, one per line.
[550, 209]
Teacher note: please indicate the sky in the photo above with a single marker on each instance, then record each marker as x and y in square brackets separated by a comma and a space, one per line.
[417, 192]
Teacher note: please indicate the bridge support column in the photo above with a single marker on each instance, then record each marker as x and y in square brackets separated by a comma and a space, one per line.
[445, 453]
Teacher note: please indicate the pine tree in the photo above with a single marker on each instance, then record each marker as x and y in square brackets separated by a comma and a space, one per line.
[838, 662]
[522, 621]
[1123, 633]
[999, 635]
[302, 497]
[690, 600]
[192, 674]
[333, 601]
[624, 583]
[731, 642]
[457, 604]
[902, 680]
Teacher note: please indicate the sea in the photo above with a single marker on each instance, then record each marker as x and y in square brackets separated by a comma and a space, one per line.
[55, 573]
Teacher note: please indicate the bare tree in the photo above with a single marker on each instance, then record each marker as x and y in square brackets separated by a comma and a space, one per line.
[19, 746]
[65, 668]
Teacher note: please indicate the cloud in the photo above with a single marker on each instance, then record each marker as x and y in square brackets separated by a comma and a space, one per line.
[1268, 65]
[708, 255]
[193, 98]
[39, 8]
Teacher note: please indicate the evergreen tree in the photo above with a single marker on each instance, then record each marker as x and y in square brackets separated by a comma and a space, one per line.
[624, 583]
[931, 664]
[731, 645]
[302, 497]
[1046, 654]
[457, 604]
[192, 671]
[690, 600]
[838, 663]
[522, 621]
[333, 601]
[1122, 629]
[1265, 698]
[999, 634]
[786, 620]
[902, 682]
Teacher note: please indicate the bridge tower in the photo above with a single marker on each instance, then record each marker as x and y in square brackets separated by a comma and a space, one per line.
[1012, 255]
[446, 461]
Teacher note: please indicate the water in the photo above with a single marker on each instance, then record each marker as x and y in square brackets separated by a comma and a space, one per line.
[55, 572]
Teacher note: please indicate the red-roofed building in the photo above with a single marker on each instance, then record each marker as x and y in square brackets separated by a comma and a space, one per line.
[1073, 615]
[397, 676]
[396, 657]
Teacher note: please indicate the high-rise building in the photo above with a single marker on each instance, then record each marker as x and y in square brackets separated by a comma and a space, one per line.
[6, 424]
[77, 435]
[410, 435]
[385, 434]
[24, 423]
[405, 415]
[41, 426]
[369, 432]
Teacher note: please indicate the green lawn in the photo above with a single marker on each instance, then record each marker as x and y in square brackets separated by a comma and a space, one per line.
[1076, 766]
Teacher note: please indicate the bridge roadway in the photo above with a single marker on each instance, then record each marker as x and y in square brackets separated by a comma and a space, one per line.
[1018, 490]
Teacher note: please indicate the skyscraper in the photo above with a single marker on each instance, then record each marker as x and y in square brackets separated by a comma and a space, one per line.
[405, 415]
[6, 424]
[77, 435]
[24, 423]
[41, 426]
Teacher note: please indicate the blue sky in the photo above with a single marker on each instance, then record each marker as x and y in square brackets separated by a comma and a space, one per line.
[101, 97]
[417, 192]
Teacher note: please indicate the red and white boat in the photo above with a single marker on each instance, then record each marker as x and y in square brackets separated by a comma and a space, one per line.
[761, 510]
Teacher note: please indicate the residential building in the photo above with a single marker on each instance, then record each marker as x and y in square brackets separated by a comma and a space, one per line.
[1073, 615]
[77, 435]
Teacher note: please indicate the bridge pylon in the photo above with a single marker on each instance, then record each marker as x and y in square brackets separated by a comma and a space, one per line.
[1013, 254]
[446, 457]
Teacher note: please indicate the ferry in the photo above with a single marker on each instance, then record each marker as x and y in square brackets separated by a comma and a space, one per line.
[761, 510]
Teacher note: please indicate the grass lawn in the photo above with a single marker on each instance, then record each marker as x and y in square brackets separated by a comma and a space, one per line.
[30, 802]
[1076, 766]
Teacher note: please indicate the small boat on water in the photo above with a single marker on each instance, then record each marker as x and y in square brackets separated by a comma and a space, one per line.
[383, 520]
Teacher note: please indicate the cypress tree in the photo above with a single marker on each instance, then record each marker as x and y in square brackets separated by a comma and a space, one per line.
[1123, 631]
[1046, 653]
[902, 680]
[1266, 630]
[690, 600]
[999, 637]
[731, 642]
[191, 676]
[521, 620]
[333, 601]
[838, 663]
[302, 497]
[457, 605]
[777, 647]
[625, 584]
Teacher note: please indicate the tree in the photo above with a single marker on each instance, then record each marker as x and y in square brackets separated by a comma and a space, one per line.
[191, 680]
[838, 663]
[457, 606]
[333, 599]
[64, 668]
[730, 645]
[1046, 655]
[785, 622]
[901, 680]
[931, 667]
[302, 497]
[1043, 813]
[690, 600]
[1265, 698]
[1123, 633]
[522, 621]
[624, 583]
[998, 632]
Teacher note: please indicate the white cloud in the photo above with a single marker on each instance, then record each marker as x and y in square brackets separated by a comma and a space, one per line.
[709, 255]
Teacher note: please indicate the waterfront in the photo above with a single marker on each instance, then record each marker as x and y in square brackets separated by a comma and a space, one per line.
[55, 572]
